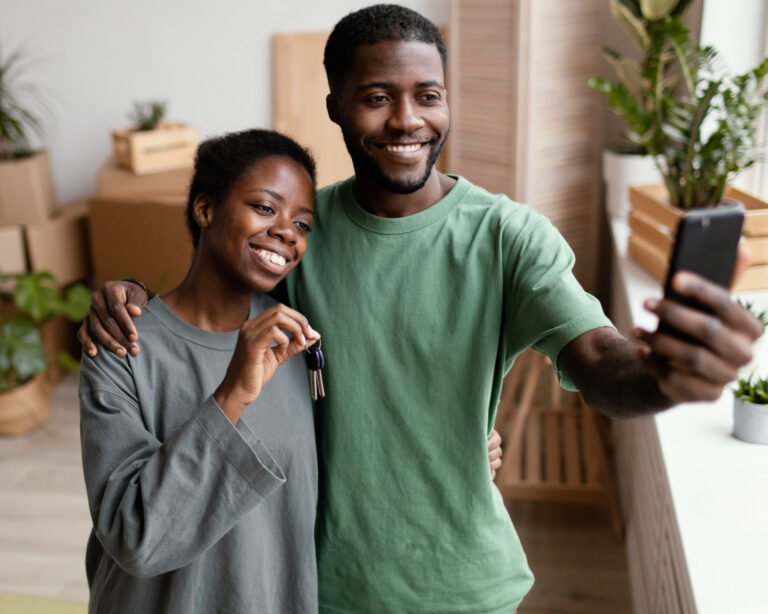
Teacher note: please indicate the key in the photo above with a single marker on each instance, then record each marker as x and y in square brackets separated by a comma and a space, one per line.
[315, 362]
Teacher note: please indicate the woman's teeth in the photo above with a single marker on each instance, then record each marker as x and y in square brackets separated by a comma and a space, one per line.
[271, 256]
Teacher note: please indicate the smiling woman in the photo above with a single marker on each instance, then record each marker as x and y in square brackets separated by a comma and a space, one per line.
[203, 501]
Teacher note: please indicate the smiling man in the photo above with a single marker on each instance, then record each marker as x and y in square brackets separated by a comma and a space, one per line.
[425, 288]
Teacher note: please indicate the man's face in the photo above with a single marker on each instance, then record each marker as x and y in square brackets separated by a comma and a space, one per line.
[393, 113]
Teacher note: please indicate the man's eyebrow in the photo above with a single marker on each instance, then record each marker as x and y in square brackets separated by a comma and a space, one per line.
[389, 85]
[270, 192]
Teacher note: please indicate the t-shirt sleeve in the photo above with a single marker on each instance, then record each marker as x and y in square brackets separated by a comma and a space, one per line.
[158, 505]
[546, 307]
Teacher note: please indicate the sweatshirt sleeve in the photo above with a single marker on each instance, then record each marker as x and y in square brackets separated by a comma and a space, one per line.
[157, 505]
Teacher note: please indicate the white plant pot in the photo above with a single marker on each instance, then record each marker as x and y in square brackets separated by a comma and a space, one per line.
[750, 421]
[621, 170]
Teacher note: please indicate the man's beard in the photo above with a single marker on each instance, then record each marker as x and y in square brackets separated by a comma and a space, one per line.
[368, 164]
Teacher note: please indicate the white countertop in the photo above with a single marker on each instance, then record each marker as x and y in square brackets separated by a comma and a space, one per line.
[719, 484]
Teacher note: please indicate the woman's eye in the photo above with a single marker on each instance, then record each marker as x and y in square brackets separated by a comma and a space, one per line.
[263, 209]
[304, 226]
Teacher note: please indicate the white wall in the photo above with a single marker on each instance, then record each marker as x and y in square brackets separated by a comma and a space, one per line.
[210, 60]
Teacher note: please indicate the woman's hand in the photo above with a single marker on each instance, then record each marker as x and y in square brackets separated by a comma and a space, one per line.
[110, 322]
[262, 346]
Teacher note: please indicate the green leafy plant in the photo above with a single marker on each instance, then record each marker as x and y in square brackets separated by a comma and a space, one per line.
[147, 115]
[36, 299]
[22, 107]
[753, 389]
[697, 123]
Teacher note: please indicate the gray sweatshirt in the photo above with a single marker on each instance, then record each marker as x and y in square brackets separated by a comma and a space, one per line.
[190, 513]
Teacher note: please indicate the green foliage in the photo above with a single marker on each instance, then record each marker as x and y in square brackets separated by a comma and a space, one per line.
[22, 107]
[752, 390]
[698, 124]
[37, 299]
[147, 115]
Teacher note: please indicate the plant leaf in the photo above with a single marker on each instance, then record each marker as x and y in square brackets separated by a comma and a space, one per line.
[653, 10]
[24, 348]
[36, 295]
[630, 24]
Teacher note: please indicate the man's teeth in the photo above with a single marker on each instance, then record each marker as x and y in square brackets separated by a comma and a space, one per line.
[403, 148]
[271, 256]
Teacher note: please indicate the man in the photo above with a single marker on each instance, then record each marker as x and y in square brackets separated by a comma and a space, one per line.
[425, 289]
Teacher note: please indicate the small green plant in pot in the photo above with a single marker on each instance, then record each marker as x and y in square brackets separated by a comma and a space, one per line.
[697, 122]
[147, 115]
[24, 394]
[750, 409]
[25, 173]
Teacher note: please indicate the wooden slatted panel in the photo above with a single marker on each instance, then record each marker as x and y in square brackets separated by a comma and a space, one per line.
[524, 121]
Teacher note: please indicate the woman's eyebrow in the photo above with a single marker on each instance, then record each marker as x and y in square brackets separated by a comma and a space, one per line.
[277, 195]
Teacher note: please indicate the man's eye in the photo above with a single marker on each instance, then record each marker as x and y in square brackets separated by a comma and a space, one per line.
[304, 226]
[430, 97]
[377, 99]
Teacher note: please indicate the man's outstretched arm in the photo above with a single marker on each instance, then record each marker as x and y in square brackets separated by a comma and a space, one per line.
[623, 378]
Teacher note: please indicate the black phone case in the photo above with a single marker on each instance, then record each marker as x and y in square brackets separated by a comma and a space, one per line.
[706, 244]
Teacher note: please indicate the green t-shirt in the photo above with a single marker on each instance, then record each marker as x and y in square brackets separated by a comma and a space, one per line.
[421, 318]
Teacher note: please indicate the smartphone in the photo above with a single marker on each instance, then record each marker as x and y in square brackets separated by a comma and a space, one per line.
[706, 244]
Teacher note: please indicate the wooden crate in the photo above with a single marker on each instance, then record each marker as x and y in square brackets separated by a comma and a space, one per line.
[168, 147]
[653, 224]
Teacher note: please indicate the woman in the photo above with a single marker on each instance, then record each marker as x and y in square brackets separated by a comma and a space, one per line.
[205, 501]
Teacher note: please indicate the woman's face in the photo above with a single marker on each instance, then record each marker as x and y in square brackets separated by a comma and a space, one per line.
[259, 233]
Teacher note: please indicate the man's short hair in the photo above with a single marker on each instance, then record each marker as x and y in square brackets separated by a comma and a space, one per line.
[375, 24]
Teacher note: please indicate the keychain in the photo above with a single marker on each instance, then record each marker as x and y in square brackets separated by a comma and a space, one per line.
[315, 362]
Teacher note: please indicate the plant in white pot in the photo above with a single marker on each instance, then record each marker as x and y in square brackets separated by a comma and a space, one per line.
[26, 182]
[750, 409]
[697, 123]
[24, 390]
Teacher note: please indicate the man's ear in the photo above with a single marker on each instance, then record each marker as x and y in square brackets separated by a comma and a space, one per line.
[203, 210]
[332, 107]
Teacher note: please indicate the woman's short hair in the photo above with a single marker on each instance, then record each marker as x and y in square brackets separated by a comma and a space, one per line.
[222, 160]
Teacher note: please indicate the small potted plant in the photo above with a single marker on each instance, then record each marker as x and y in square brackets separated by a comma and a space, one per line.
[24, 391]
[26, 182]
[750, 409]
[697, 123]
[151, 144]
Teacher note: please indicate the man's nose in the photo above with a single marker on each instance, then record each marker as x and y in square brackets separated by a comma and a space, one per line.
[405, 116]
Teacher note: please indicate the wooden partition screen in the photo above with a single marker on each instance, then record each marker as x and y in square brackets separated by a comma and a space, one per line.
[524, 121]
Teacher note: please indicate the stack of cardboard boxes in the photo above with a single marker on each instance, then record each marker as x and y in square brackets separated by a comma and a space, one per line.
[137, 226]
[38, 235]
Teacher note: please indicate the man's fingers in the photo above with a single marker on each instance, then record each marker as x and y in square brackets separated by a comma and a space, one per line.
[731, 344]
[85, 339]
[689, 358]
[683, 387]
[718, 300]
[103, 337]
[496, 464]
[120, 325]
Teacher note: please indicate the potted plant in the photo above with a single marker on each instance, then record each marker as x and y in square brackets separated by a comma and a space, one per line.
[26, 182]
[24, 391]
[151, 144]
[750, 409]
[697, 123]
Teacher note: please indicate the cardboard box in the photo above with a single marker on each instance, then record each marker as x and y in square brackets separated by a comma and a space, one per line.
[116, 181]
[167, 147]
[13, 258]
[60, 245]
[144, 238]
[26, 190]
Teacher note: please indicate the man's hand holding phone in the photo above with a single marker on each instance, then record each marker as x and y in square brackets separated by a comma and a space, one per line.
[703, 337]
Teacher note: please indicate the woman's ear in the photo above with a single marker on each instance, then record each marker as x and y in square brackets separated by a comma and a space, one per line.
[203, 210]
